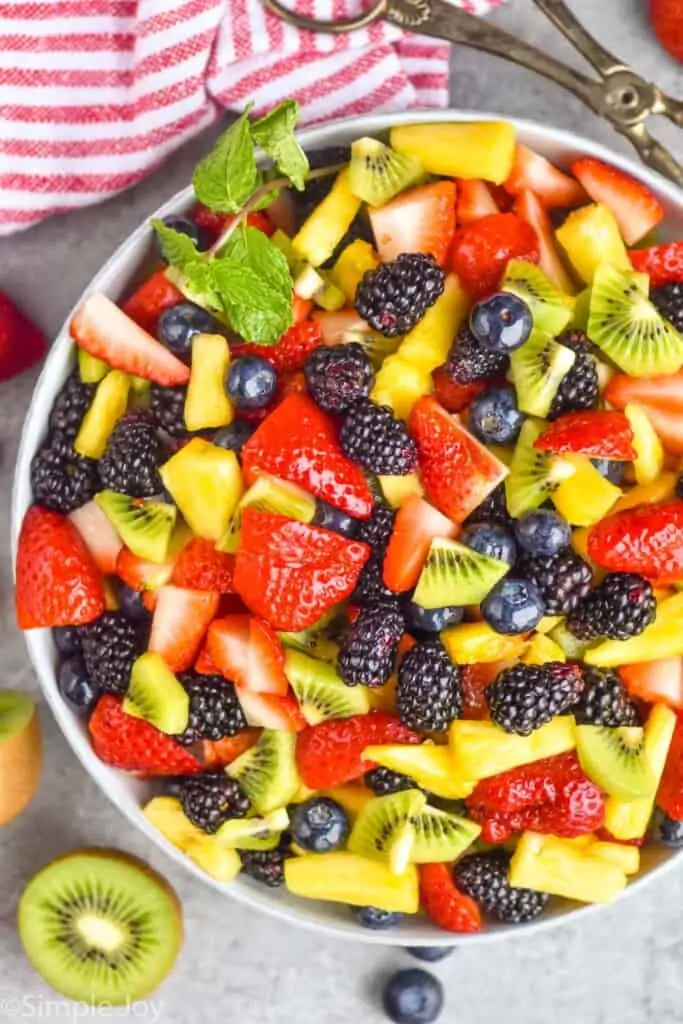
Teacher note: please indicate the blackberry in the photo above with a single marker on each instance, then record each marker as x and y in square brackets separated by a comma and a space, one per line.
[484, 877]
[110, 646]
[70, 406]
[429, 690]
[621, 607]
[215, 711]
[375, 439]
[167, 406]
[338, 375]
[580, 388]
[382, 781]
[267, 866]
[604, 701]
[669, 302]
[61, 479]
[211, 799]
[563, 579]
[468, 360]
[130, 464]
[394, 297]
[367, 656]
[371, 588]
[525, 697]
[493, 508]
[376, 531]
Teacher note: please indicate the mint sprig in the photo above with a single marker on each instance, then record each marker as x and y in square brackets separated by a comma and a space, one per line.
[274, 133]
[228, 175]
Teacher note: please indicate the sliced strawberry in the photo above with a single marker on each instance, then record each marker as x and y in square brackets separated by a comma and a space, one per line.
[647, 539]
[272, 711]
[636, 209]
[292, 350]
[532, 172]
[334, 325]
[474, 201]
[149, 599]
[670, 792]
[301, 308]
[600, 433]
[297, 442]
[457, 471]
[419, 220]
[205, 665]
[416, 525]
[248, 652]
[662, 400]
[662, 263]
[667, 20]
[181, 618]
[22, 343]
[444, 904]
[201, 567]
[452, 396]
[217, 754]
[57, 580]
[139, 574]
[150, 299]
[105, 331]
[655, 681]
[101, 539]
[529, 208]
[134, 745]
[481, 251]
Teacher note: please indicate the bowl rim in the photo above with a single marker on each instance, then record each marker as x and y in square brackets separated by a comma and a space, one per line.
[33, 428]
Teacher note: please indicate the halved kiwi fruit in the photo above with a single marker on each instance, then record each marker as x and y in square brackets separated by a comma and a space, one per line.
[456, 575]
[155, 694]
[270, 494]
[537, 369]
[107, 407]
[267, 771]
[100, 927]
[441, 836]
[616, 760]
[321, 640]
[385, 828]
[533, 475]
[320, 691]
[145, 527]
[377, 173]
[550, 308]
[625, 324]
[254, 833]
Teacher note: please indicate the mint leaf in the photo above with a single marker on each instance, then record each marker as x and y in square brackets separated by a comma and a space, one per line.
[256, 311]
[255, 250]
[226, 178]
[274, 133]
[177, 249]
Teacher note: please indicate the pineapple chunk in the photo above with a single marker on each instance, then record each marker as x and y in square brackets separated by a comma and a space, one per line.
[167, 816]
[626, 858]
[207, 404]
[648, 494]
[350, 796]
[320, 234]
[585, 497]
[541, 650]
[108, 406]
[353, 262]
[397, 488]
[384, 697]
[551, 865]
[431, 767]
[205, 482]
[429, 342]
[590, 236]
[470, 150]
[349, 878]
[399, 384]
[473, 643]
[222, 864]
[650, 453]
[662, 639]
[483, 749]
[548, 623]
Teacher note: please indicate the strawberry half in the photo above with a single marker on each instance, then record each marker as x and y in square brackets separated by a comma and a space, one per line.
[101, 539]
[443, 903]
[636, 209]
[660, 397]
[416, 525]
[481, 251]
[148, 302]
[134, 745]
[181, 618]
[247, 651]
[667, 21]
[529, 208]
[452, 396]
[420, 220]
[532, 172]
[474, 201]
[662, 263]
[138, 574]
[601, 434]
[292, 350]
[201, 567]
[216, 754]
[271, 711]
[647, 539]
[57, 580]
[655, 681]
[22, 343]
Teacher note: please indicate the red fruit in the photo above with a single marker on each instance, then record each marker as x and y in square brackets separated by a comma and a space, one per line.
[334, 325]
[215, 223]
[457, 471]
[443, 903]
[662, 263]
[139, 574]
[416, 525]
[647, 539]
[474, 680]
[481, 251]
[636, 209]
[134, 745]
[101, 539]
[601, 434]
[22, 343]
[420, 220]
[272, 710]
[474, 201]
[605, 836]
[292, 350]
[551, 186]
[332, 752]
[149, 599]
[148, 302]
[552, 796]
[57, 580]
[201, 567]
[301, 308]
[181, 618]
[656, 681]
[667, 21]
[529, 208]
[248, 652]
[452, 396]
[291, 573]
[205, 665]
[670, 792]
[216, 754]
[662, 400]
[297, 442]
[105, 331]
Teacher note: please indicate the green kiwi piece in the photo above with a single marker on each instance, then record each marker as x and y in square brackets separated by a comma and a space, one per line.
[440, 836]
[253, 833]
[537, 369]
[385, 828]
[377, 173]
[571, 645]
[320, 640]
[100, 927]
[109, 403]
[533, 475]
[91, 370]
[550, 308]
[616, 760]
[320, 691]
[155, 694]
[456, 575]
[579, 320]
[625, 324]
[269, 494]
[375, 346]
[267, 771]
[230, 541]
[145, 527]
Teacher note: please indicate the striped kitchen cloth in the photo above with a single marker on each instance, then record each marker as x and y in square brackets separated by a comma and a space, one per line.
[95, 93]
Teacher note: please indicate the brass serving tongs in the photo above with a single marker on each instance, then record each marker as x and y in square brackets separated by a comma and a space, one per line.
[621, 96]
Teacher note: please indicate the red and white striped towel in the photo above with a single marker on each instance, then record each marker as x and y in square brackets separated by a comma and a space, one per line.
[95, 93]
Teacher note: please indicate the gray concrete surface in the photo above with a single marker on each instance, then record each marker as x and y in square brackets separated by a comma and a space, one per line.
[619, 967]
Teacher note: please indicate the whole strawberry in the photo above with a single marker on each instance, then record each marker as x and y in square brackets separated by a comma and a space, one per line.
[667, 21]
[134, 745]
[444, 904]
[21, 343]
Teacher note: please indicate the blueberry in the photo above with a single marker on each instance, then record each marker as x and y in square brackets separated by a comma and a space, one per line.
[542, 533]
[491, 539]
[375, 919]
[78, 691]
[235, 436]
[502, 322]
[251, 382]
[666, 830]
[612, 470]
[188, 227]
[494, 416]
[413, 997]
[67, 640]
[331, 518]
[132, 605]
[177, 326]
[430, 954]
[319, 824]
[430, 620]
[513, 606]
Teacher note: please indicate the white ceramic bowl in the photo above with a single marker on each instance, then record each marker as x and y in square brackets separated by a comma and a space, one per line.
[129, 794]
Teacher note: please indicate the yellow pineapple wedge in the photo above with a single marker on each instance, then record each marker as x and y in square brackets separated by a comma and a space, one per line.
[473, 643]
[662, 639]
[222, 864]
[629, 819]
[430, 766]
[397, 488]
[351, 796]
[590, 236]
[585, 497]
[548, 623]
[483, 749]
[552, 865]
[541, 650]
[165, 813]
[349, 878]
[352, 263]
[650, 452]
[320, 234]
[626, 858]
[648, 494]
[474, 150]
[428, 344]
[107, 407]
[205, 482]
[207, 404]
[399, 384]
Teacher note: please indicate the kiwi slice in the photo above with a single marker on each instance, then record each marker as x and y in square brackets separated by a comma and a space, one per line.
[107, 407]
[145, 527]
[550, 308]
[375, 346]
[385, 828]
[533, 475]
[320, 691]
[616, 760]
[253, 833]
[441, 836]
[571, 645]
[267, 771]
[625, 324]
[269, 494]
[377, 172]
[537, 369]
[230, 541]
[155, 694]
[91, 370]
[456, 575]
[100, 927]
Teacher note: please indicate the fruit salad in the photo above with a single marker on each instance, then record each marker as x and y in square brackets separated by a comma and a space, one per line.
[359, 527]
